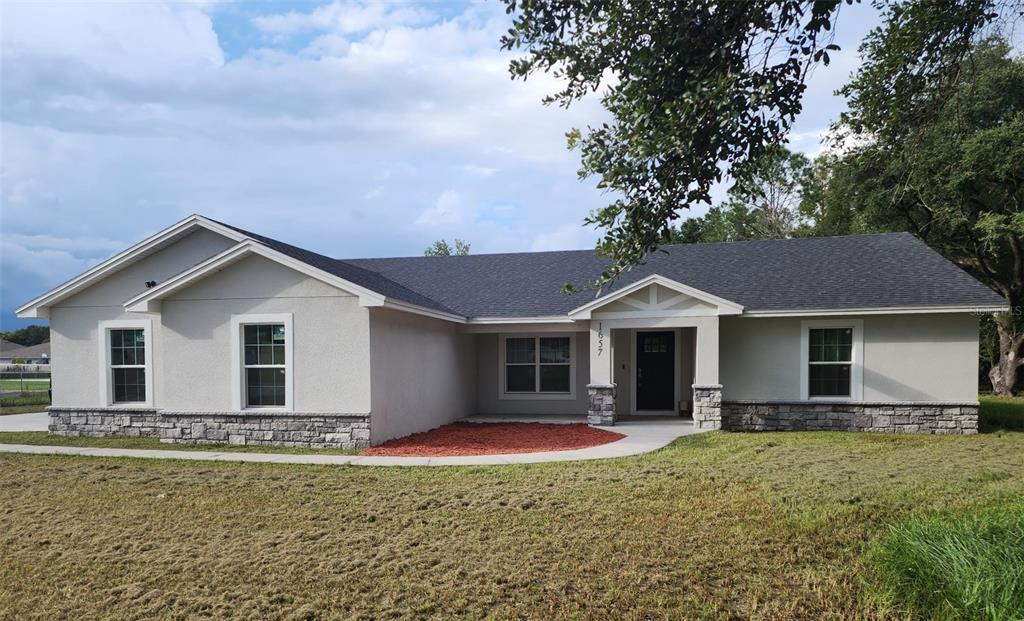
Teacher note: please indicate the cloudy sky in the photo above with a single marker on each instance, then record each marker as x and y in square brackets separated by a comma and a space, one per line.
[352, 129]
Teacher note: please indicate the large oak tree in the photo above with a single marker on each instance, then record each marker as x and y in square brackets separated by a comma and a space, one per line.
[700, 89]
[952, 173]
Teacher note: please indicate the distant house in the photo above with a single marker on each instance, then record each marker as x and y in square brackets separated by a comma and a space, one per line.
[11, 353]
[6, 346]
[206, 332]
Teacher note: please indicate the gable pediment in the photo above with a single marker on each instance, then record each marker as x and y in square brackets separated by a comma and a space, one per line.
[656, 296]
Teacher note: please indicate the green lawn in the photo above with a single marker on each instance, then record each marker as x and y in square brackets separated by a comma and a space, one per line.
[29, 385]
[42, 438]
[716, 526]
[1001, 413]
[23, 403]
[21, 409]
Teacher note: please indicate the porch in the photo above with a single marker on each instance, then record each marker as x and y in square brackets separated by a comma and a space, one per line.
[650, 350]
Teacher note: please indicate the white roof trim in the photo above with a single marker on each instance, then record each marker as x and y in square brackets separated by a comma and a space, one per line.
[725, 307]
[406, 307]
[39, 307]
[507, 320]
[891, 310]
[148, 301]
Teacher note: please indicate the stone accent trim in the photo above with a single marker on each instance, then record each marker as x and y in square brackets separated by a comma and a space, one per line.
[707, 406]
[297, 429]
[601, 404]
[932, 417]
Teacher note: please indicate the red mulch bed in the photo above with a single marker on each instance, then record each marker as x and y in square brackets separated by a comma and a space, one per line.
[494, 439]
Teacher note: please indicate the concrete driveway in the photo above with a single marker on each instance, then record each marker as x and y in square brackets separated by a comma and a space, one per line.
[37, 421]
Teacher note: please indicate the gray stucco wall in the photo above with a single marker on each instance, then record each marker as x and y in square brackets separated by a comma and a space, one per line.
[925, 357]
[422, 371]
[74, 338]
[921, 358]
[759, 358]
[331, 340]
[487, 383]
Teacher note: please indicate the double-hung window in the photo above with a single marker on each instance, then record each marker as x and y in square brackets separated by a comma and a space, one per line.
[263, 346]
[537, 365]
[265, 380]
[125, 363]
[128, 365]
[831, 360]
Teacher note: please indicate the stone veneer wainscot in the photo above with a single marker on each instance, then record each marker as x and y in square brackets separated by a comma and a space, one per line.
[297, 429]
[879, 416]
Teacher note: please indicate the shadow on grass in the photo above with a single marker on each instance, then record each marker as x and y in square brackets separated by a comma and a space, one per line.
[1001, 414]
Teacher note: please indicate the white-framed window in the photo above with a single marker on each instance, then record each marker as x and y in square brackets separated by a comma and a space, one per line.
[832, 359]
[537, 366]
[262, 347]
[126, 362]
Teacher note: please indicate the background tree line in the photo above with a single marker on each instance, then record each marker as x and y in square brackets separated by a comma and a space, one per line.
[28, 336]
[954, 178]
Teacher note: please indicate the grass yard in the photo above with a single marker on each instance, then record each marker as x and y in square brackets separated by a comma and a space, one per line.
[21, 409]
[716, 526]
[28, 385]
[25, 402]
[42, 438]
[1001, 413]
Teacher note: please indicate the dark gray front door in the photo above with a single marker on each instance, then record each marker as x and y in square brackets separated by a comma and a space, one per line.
[655, 370]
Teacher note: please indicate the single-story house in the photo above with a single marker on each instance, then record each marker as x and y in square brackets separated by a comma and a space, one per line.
[13, 353]
[205, 332]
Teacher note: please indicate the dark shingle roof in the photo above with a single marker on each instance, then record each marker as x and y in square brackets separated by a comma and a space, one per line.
[347, 270]
[857, 271]
[26, 351]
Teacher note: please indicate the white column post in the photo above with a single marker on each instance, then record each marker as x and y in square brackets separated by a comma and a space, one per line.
[601, 388]
[707, 351]
[707, 392]
[601, 366]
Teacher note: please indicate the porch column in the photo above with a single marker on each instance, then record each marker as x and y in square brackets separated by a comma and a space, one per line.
[707, 392]
[601, 388]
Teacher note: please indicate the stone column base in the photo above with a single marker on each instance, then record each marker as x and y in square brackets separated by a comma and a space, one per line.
[601, 410]
[707, 406]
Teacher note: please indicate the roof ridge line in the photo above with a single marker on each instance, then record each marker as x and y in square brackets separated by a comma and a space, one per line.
[270, 242]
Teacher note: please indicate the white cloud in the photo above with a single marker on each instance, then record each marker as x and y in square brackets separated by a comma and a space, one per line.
[344, 17]
[354, 129]
[117, 38]
[449, 209]
[483, 171]
[565, 237]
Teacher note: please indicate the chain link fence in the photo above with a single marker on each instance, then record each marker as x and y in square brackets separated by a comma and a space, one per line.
[27, 385]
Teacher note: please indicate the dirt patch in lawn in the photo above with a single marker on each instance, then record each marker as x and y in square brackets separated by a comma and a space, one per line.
[495, 439]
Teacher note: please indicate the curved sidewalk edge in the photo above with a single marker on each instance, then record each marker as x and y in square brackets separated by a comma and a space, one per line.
[641, 437]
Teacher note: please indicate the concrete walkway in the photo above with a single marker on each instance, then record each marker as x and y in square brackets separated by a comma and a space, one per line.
[36, 421]
[642, 436]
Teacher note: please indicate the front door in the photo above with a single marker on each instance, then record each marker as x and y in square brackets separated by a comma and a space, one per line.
[655, 370]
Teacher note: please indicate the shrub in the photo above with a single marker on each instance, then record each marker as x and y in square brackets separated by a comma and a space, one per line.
[955, 566]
